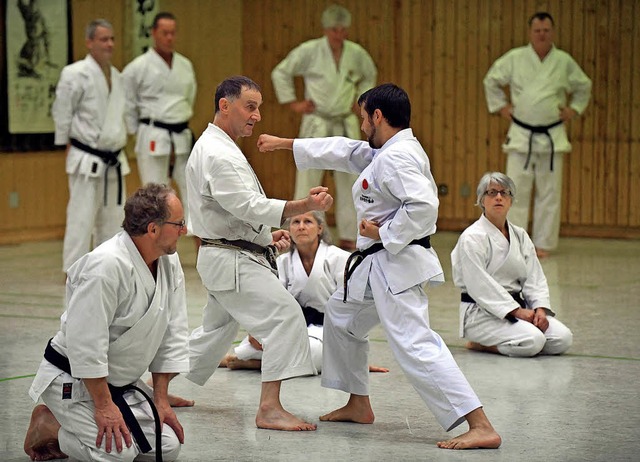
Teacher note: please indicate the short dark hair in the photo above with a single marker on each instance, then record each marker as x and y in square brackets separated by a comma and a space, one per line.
[162, 15]
[541, 16]
[392, 101]
[231, 88]
[148, 204]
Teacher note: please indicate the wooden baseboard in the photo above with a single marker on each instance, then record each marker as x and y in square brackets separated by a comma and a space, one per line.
[12, 237]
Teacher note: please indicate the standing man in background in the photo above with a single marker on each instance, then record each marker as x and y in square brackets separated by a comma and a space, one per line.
[335, 71]
[89, 118]
[541, 80]
[161, 89]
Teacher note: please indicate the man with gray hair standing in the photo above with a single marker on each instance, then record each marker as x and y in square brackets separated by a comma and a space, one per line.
[89, 118]
[335, 71]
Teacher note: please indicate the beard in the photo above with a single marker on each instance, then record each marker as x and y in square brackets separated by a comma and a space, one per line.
[371, 137]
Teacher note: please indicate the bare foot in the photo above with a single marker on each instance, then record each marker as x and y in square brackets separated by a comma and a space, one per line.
[541, 253]
[378, 369]
[179, 401]
[479, 347]
[279, 419]
[485, 438]
[357, 410]
[226, 360]
[234, 363]
[41, 441]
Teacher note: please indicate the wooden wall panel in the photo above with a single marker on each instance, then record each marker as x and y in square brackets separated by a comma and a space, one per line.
[439, 51]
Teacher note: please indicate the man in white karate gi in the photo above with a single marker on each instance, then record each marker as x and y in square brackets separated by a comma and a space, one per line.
[88, 112]
[161, 89]
[236, 262]
[335, 72]
[397, 205]
[547, 89]
[125, 314]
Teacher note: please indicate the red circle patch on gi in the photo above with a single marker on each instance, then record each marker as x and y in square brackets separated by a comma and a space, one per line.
[365, 184]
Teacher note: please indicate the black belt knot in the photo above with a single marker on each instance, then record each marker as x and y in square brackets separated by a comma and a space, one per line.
[537, 130]
[173, 128]
[517, 296]
[269, 252]
[358, 256]
[117, 395]
[110, 158]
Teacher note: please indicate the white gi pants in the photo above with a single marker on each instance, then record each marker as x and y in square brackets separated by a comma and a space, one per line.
[515, 339]
[245, 351]
[77, 437]
[155, 169]
[420, 352]
[88, 217]
[547, 199]
[262, 305]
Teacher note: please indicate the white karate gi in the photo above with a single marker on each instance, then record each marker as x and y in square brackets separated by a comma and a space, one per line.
[166, 94]
[489, 267]
[396, 189]
[333, 89]
[227, 201]
[119, 322]
[310, 290]
[87, 110]
[537, 90]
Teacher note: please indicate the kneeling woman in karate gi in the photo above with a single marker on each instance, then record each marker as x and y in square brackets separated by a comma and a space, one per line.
[310, 271]
[505, 304]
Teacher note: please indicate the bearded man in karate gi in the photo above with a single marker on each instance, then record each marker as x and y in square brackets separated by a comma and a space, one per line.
[547, 89]
[88, 112]
[397, 204]
[335, 71]
[161, 89]
[126, 314]
[236, 262]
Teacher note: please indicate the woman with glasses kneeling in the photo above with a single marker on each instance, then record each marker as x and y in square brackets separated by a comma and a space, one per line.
[504, 305]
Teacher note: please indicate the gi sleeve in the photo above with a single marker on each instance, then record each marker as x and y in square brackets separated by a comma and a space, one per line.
[333, 153]
[173, 354]
[497, 78]
[579, 87]
[535, 289]
[68, 95]
[130, 83]
[470, 260]
[296, 63]
[369, 72]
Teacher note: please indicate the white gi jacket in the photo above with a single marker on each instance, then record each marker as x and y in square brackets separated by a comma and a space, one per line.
[333, 89]
[488, 267]
[119, 321]
[395, 188]
[158, 92]
[313, 290]
[85, 109]
[538, 89]
[227, 201]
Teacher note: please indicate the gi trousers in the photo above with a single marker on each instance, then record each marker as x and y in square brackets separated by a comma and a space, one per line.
[420, 352]
[77, 436]
[547, 199]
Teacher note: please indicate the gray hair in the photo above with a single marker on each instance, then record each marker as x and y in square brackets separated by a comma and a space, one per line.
[336, 16]
[494, 177]
[90, 33]
[149, 204]
[325, 235]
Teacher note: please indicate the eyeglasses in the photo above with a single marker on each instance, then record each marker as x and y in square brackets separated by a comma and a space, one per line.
[179, 224]
[495, 192]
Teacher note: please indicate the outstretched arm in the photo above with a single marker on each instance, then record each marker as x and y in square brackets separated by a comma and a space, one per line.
[271, 143]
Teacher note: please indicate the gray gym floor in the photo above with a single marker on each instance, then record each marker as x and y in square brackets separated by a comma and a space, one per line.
[583, 406]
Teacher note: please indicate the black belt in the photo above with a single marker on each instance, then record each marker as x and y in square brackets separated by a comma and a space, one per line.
[108, 157]
[465, 297]
[359, 255]
[173, 128]
[541, 130]
[313, 316]
[117, 395]
[269, 252]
